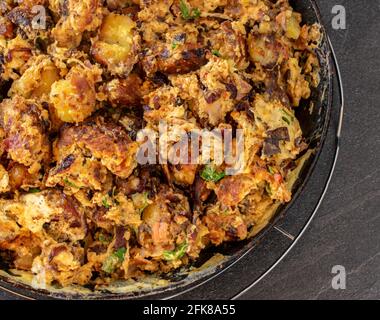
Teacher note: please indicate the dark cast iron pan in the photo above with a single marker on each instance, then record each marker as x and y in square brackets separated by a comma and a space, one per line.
[314, 127]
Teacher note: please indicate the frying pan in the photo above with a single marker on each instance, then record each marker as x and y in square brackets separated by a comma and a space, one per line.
[314, 123]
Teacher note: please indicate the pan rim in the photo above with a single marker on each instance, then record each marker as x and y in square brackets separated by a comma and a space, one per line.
[189, 283]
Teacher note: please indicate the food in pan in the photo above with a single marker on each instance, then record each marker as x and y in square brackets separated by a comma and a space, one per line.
[76, 207]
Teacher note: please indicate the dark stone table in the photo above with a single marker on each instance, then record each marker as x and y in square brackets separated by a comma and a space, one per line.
[346, 228]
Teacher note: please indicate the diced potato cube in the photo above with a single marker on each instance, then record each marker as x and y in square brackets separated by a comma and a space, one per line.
[116, 46]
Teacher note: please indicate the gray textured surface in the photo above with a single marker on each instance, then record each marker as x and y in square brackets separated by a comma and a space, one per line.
[345, 230]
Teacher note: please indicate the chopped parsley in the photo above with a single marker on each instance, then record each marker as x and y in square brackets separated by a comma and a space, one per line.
[285, 119]
[268, 189]
[140, 201]
[105, 203]
[34, 190]
[216, 53]
[187, 13]
[120, 254]
[271, 170]
[103, 239]
[287, 116]
[113, 260]
[176, 254]
[70, 184]
[211, 174]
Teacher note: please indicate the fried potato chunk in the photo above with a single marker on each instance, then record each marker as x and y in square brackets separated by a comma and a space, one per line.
[31, 211]
[74, 98]
[23, 248]
[99, 146]
[9, 229]
[224, 224]
[62, 263]
[37, 80]
[25, 124]
[223, 88]
[124, 92]
[229, 42]
[16, 53]
[117, 45]
[59, 215]
[77, 16]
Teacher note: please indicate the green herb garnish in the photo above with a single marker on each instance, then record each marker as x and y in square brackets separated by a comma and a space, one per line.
[210, 174]
[105, 203]
[120, 254]
[140, 201]
[196, 13]
[288, 115]
[216, 53]
[103, 239]
[70, 184]
[271, 170]
[34, 190]
[113, 260]
[174, 45]
[286, 120]
[268, 189]
[176, 254]
[188, 14]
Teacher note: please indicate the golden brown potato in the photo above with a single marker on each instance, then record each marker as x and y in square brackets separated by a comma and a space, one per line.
[74, 98]
[223, 88]
[77, 16]
[25, 123]
[229, 43]
[124, 92]
[62, 263]
[265, 49]
[75, 171]
[24, 248]
[69, 224]
[50, 210]
[184, 174]
[224, 224]
[117, 45]
[20, 178]
[37, 80]
[9, 229]
[85, 152]
[16, 54]
[231, 190]
[290, 23]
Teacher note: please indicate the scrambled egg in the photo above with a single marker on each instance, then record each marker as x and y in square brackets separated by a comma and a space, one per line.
[75, 206]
